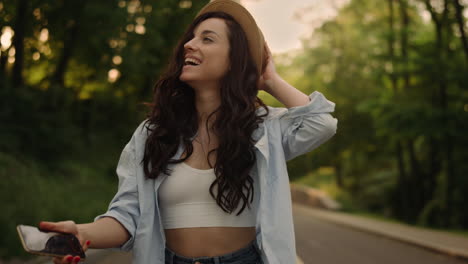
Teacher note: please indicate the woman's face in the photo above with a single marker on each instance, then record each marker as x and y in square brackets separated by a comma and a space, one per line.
[206, 54]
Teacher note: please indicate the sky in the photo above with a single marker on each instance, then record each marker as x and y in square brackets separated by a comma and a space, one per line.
[276, 19]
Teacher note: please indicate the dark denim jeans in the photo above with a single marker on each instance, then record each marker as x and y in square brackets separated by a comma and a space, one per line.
[247, 255]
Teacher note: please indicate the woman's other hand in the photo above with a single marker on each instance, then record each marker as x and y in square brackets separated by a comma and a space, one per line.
[273, 84]
[66, 227]
[266, 80]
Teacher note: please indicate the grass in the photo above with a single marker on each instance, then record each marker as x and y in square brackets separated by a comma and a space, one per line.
[78, 188]
[324, 179]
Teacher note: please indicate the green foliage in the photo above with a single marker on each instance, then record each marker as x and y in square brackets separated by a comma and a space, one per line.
[402, 119]
[31, 192]
[63, 127]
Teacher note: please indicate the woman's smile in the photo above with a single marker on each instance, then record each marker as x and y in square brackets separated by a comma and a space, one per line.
[192, 61]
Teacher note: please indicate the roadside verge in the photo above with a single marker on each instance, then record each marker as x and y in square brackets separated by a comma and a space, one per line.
[439, 241]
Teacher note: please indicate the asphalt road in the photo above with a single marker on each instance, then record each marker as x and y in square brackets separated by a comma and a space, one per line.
[321, 242]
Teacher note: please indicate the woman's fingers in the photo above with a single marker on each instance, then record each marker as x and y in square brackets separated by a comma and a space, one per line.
[63, 226]
[66, 259]
[47, 226]
[76, 259]
[86, 245]
[73, 259]
[267, 50]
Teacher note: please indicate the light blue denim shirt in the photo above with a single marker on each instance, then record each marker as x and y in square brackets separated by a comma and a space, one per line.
[285, 134]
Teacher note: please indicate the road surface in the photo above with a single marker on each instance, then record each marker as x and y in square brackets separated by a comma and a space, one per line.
[321, 242]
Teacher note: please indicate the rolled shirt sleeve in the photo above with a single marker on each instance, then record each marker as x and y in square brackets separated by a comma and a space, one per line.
[304, 128]
[124, 207]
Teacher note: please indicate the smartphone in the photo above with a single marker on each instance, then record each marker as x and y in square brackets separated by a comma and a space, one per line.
[46, 243]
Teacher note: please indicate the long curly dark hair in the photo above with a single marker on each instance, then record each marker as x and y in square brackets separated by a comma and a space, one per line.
[173, 119]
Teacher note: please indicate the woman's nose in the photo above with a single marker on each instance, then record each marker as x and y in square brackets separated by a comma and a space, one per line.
[190, 45]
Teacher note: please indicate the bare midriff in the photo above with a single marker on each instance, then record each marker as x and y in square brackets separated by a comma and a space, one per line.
[208, 241]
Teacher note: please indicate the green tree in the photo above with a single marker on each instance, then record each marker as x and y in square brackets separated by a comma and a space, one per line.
[399, 84]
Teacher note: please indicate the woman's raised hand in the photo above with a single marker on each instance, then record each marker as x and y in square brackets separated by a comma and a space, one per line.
[272, 83]
[65, 227]
[265, 81]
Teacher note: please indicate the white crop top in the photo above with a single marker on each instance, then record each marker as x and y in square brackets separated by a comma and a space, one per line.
[185, 201]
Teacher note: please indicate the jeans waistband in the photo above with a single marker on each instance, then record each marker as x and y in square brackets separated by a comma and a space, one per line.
[250, 250]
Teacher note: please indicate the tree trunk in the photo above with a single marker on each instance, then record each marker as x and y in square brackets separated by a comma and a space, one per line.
[435, 164]
[391, 46]
[339, 175]
[71, 38]
[418, 200]
[3, 62]
[441, 25]
[461, 26]
[402, 206]
[401, 200]
[404, 41]
[70, 41]
[18, 42]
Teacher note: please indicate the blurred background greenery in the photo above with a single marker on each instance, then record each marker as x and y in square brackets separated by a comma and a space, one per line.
[74, 76]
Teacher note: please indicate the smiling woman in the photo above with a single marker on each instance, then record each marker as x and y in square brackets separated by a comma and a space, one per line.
[204, 178]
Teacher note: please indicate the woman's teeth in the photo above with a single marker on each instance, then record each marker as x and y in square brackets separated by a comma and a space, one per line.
[190, 61]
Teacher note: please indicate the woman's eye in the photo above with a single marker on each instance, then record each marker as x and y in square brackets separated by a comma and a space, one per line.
[207, 39]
